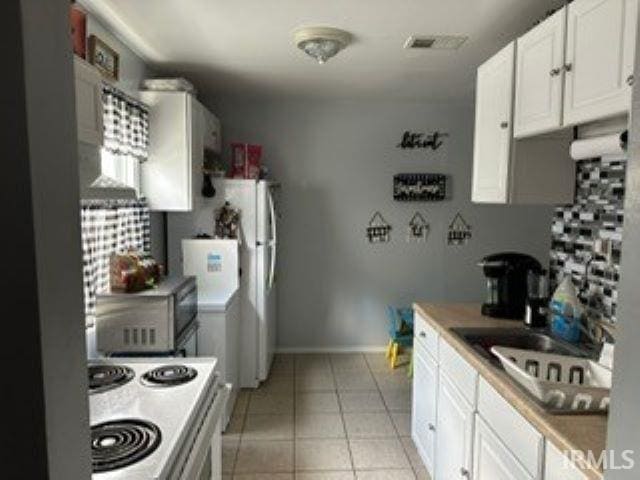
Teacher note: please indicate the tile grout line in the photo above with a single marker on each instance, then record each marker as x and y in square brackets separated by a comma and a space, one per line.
[344, 423]
[399, 437]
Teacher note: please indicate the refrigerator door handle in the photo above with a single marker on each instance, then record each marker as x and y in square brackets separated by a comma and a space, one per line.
[273, 242]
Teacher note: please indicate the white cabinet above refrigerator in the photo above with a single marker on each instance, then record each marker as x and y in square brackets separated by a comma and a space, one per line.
[180, 128]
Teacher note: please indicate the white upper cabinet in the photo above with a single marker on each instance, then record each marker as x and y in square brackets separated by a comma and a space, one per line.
[180, 129]
[539, 75]
[88, 86]
[600, 51]
[166, 176]
[493, 127]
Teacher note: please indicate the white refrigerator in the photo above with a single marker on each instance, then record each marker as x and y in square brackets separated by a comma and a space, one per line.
[258, 255]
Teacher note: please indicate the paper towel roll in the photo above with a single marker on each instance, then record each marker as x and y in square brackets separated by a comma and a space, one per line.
[615, 144]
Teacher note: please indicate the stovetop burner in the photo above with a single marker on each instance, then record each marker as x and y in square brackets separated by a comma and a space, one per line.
[106, 377]
[169, 375]
[120, 443]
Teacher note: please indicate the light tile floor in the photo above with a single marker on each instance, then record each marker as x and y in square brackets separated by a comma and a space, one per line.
[324, 417]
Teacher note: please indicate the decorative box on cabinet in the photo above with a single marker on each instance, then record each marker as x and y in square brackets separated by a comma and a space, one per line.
[509, 171]
[88, 86]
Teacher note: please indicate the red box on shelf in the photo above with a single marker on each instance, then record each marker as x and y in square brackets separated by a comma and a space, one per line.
[78, 22]
[245, 160]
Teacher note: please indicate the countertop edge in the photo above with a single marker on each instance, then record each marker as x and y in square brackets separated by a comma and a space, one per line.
[504, 385]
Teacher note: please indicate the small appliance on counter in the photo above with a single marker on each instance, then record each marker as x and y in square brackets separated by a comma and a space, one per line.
[537, 306]
[507, 283]
[161, 320]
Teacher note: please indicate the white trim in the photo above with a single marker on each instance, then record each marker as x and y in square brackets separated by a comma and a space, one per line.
[334, 349]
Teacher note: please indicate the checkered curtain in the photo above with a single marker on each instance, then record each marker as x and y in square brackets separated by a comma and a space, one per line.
[109, 226]
[126, 124]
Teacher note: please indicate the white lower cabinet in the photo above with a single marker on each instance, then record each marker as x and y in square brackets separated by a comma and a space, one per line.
[454, 432]
[423, 419]
[492, 459]
[557, 466]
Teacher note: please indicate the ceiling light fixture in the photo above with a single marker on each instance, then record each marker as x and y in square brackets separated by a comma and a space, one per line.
[321, 43]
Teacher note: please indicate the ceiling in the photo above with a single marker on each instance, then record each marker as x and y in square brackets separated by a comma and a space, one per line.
[245, 47]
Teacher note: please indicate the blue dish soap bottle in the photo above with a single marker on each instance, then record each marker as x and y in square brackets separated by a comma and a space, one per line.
[566, 311]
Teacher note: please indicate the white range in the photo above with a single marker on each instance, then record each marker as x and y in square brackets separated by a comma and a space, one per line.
[156, 419]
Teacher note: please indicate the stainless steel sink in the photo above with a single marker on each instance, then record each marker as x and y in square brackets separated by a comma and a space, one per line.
[482, 339]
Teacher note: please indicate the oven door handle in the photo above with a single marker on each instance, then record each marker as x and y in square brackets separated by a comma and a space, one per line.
[202, 444]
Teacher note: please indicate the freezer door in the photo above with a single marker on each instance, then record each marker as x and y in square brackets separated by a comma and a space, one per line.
[266, 276]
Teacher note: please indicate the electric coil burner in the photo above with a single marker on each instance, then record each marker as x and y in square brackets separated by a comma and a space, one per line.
[169, 375]
[121, 443]
[106, 377]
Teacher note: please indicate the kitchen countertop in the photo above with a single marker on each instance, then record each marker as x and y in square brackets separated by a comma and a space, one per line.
[566, 432]
[220, 303]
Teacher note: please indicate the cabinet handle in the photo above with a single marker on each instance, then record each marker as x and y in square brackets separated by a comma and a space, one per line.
[630, 80]
[423, 335]
[504, 125]
[464, 472]
[555, 72]
[568, 67]
[432, 427]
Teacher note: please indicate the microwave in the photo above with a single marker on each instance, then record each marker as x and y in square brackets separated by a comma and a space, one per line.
[157, 320]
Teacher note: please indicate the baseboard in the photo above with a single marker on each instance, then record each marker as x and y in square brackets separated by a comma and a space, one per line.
[345, 349]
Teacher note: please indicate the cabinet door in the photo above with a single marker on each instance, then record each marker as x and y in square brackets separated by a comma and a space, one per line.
[493, 127]
[601, 36]
[454, 433]
[423, 417]
[539, 73]
[88, 86]
[492, 460]
[558, 467]
[167, 175]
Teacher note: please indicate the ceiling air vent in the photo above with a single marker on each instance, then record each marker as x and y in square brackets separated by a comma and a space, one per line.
[435, 42]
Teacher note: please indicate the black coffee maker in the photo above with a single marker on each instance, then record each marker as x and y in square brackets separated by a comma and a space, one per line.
[507, 283]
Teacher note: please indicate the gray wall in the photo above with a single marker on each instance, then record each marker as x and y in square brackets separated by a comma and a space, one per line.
[624, 419]
[336, 161]
[53, 187]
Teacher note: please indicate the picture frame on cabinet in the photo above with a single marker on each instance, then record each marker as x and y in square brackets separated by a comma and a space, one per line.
[104, 58]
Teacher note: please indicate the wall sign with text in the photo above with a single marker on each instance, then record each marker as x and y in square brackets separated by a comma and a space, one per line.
[419, 187]
[426, 141]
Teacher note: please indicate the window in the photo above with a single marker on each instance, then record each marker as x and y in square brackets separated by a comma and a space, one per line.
[123, 168]
[109, 226]
[126, 137]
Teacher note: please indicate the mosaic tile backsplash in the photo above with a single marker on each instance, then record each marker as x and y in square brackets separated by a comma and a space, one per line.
[596, 214]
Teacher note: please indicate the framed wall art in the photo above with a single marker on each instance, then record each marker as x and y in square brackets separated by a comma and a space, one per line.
[104, 58]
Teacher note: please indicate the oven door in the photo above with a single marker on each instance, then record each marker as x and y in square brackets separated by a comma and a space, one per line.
[185, 310]
[205, 458]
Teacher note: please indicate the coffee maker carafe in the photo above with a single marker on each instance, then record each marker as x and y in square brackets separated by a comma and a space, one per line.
[507, 283]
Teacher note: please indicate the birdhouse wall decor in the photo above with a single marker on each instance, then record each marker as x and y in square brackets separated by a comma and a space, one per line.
[418, 229]
[459, 231]
[379, 230]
